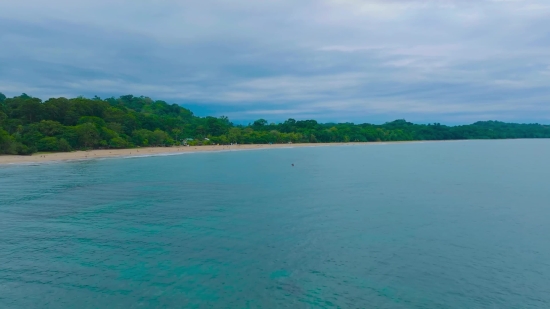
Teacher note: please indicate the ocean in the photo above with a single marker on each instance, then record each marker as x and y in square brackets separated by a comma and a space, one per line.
[427, 225]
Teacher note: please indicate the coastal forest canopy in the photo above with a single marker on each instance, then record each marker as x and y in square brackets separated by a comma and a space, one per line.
[28, 125]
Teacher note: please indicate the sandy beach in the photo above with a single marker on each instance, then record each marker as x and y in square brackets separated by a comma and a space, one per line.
[147, 151]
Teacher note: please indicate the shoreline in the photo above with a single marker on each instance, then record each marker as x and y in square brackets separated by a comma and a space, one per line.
[155, 151]
[174, 150]
[143, 152]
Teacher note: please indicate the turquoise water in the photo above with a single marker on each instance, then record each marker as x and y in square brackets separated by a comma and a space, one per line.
[416, 225]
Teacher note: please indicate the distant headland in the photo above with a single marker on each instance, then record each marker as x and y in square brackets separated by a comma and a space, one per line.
[28, 125]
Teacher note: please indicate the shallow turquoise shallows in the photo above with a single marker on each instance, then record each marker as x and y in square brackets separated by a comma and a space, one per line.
[415, 225]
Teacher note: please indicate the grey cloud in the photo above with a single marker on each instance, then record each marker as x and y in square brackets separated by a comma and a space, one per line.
[370, 60]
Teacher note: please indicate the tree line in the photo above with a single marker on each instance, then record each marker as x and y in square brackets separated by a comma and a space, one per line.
[29, 125]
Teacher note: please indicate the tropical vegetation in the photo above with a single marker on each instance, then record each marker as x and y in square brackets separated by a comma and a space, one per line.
[29, 125]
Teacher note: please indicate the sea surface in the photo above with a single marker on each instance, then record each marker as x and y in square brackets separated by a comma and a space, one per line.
[411, 225]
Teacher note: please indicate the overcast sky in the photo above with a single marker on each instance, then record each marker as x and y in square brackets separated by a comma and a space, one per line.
[449, 61]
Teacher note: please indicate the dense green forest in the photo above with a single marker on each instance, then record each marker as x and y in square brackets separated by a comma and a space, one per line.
[28, 125]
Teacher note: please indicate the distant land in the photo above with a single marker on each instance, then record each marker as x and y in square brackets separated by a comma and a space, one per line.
[29, 125]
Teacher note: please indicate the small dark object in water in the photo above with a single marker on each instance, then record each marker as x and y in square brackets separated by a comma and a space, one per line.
[292, 164]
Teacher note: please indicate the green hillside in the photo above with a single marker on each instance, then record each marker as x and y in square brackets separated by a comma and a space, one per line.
[28, 125]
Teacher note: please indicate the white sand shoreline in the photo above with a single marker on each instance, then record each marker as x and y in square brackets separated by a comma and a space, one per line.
[159, 151]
